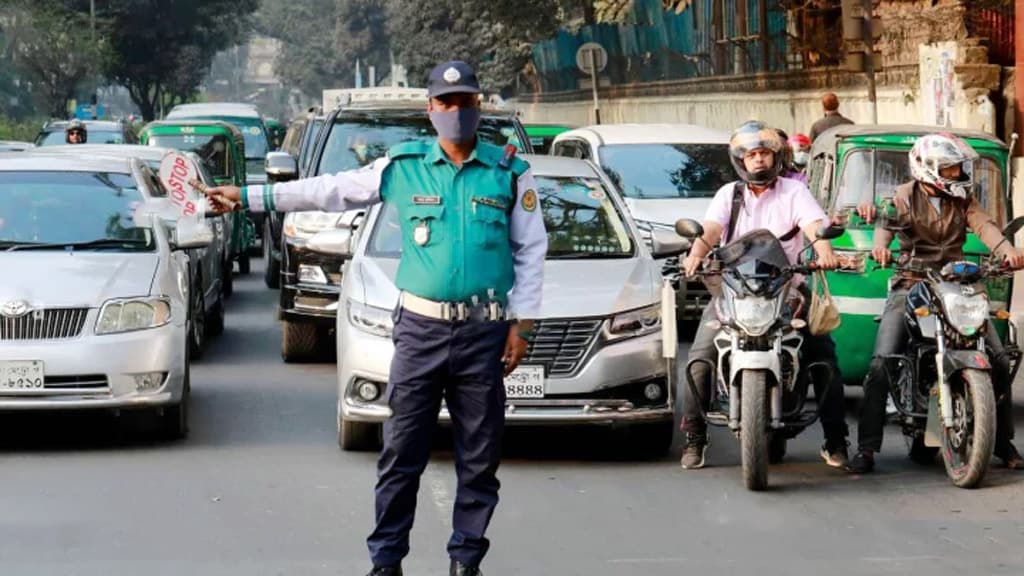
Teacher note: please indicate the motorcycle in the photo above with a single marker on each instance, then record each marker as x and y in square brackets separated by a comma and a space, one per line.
[760, 388]
[941, 384]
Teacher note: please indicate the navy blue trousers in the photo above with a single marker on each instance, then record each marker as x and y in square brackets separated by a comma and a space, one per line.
[461, 363]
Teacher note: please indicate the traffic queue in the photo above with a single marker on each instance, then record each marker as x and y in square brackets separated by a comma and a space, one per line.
[786, 257]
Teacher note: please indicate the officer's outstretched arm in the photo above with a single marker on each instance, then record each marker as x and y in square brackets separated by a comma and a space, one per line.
[529, 241]
[339, 192]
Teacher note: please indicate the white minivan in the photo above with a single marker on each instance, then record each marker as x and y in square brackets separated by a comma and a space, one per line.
[664, 172]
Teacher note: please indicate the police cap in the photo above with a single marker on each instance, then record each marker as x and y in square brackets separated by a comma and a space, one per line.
[451, 78]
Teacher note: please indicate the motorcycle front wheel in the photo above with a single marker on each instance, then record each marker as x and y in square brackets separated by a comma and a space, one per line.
[967, 445]
[754, 429]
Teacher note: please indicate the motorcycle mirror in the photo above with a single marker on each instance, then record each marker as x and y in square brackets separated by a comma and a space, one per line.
[829, 232]
[688, 228]
[1013, 227]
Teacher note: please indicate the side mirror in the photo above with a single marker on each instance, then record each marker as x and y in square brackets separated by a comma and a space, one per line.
[665, 244]
[829, 232]
[688, 228]
[336, 241]
[1013, 227]
[190, 234]
[281, 167]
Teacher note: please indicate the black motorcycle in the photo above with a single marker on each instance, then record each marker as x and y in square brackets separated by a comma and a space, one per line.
[761, 388]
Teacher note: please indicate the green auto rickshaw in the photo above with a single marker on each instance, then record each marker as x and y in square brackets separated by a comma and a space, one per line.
[221, 147]
[542, 135]
[853, 164]
[276, 132]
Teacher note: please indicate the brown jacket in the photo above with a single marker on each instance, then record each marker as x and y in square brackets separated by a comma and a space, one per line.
[933, 239]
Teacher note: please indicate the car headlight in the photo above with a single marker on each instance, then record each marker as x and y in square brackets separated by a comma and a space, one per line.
[754, 314]
[634, 323]
[128, 315]
[370, 319]
[304, 225]
[966, 313]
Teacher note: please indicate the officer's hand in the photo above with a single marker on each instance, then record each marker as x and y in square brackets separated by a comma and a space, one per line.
[224, 198]
[866, 211]
[882, 256]
[690, 265]
[515, 349]
[1015, 259]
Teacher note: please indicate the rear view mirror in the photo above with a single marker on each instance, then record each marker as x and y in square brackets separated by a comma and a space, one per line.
[335, 241]
[189, 234]
[281, 167]
[688, 228]
[829, 232]
[665, 244]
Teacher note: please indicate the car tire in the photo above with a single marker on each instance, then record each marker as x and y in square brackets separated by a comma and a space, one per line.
[272, 269]
[174, 420]
[358, 436]
[215, 321]
[197, 321]
[298, 341]
[244, 265]
[228, 282]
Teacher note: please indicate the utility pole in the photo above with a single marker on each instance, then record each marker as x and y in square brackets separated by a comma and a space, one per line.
[869, 59]
[1018, 34]
[92, 20]
[860, 30]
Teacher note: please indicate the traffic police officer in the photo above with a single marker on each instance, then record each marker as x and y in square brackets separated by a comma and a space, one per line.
[473, 246]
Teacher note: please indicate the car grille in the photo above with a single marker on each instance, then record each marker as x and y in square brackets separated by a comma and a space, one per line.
[49, 324]
[86, 382]
[561, 345]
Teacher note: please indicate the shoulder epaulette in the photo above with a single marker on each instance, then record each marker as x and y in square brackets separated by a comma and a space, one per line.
[411, 148]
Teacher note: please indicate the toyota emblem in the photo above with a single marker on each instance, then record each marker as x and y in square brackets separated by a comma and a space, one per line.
[14, 308]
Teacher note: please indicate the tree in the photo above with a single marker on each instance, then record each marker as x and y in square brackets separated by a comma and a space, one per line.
[160, 50]
[43, 41]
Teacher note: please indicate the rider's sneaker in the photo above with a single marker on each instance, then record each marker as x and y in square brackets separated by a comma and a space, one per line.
[862, 463]
[834, 453]
[693, 452]
[1010, 457]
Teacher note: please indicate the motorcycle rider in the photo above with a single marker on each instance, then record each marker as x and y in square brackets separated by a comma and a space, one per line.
[800, 148]
[934, 211]
[75, 132]
[785, 207]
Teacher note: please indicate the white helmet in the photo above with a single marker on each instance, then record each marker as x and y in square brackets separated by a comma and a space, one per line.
[934, 152]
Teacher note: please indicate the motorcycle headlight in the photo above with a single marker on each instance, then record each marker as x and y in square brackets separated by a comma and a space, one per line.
[303, 225]
[127, 315]
[370, 319]
[966, 313]
[754, 314]
[634, 323]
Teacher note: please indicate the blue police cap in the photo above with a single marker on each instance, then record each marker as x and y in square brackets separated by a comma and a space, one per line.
[452, 77]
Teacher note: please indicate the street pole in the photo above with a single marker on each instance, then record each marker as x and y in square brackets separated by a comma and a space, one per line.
[869, 59]
[92, 20]
[593, 81]
[1018, 104]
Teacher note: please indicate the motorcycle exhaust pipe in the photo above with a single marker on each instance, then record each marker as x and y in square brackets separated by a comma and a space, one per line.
[776, 407]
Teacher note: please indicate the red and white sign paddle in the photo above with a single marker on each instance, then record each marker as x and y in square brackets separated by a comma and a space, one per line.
[179, 175]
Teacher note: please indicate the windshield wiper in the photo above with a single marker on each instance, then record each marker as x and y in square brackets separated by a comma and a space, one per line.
[586, 255]
[98, 243]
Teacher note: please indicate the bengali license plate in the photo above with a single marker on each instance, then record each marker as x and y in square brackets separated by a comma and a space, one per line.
[21, 375]
[525, 382]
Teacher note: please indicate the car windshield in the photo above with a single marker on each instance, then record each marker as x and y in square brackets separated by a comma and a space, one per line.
[668, 170]
[255, 134]
[58, 137]
[874, 174]
[579, 214]
[213, 149]
[356, 142]
[65, 208]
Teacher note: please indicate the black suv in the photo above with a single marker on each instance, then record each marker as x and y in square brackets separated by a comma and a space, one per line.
[353, 135]
[298, 143]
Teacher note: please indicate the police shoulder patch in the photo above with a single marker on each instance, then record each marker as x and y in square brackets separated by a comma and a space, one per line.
[529, 200]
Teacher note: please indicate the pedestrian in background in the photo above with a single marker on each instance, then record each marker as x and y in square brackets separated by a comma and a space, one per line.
[830, 104]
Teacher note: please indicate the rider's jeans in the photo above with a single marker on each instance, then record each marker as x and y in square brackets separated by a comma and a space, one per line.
[814, 349]
[890, 341]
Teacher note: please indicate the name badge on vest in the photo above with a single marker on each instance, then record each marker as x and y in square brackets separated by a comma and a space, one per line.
[426, 200]
[421, 234]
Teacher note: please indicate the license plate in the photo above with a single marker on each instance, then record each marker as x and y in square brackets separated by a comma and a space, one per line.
[525, 382]
[21, 375]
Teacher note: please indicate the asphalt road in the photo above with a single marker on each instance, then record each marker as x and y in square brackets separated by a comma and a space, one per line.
[260, 487]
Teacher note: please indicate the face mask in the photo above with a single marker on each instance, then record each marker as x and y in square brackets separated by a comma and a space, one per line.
[801, 158]
[456, 126]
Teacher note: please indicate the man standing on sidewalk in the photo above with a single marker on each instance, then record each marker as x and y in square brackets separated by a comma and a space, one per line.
[471, 273]
[830, 104]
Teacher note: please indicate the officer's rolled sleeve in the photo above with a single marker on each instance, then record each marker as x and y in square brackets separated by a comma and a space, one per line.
[529, 241]
[339, 192]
